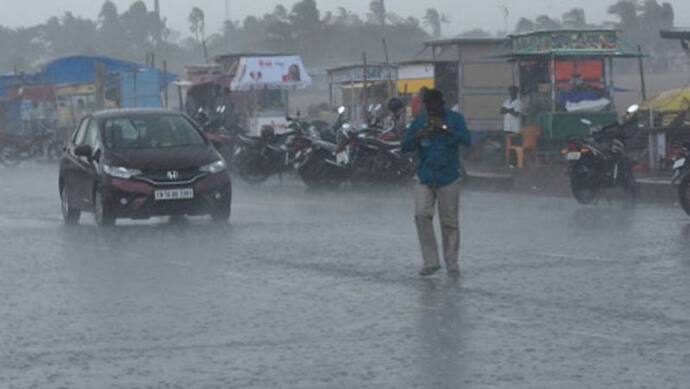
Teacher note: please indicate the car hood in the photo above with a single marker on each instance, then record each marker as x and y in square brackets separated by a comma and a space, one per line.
[175, 158]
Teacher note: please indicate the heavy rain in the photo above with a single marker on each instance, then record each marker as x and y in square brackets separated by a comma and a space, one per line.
[331, 194]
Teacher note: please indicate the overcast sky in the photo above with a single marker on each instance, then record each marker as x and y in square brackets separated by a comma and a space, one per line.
[464, 14]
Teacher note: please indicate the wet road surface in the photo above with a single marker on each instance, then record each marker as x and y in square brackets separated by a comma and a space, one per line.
[319, 290]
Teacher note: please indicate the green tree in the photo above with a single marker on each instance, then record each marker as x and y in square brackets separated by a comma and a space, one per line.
[197, 24]
[575, 18]
[378, 11]
[545, 22]
[525, 25]
[435, 20]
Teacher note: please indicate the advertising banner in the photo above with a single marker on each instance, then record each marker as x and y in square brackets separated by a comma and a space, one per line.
[271, 72]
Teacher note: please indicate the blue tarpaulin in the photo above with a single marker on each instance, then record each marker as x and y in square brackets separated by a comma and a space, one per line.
[81, 69]
[140, 89]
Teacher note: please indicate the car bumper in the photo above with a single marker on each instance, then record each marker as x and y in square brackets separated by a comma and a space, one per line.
[136, 199]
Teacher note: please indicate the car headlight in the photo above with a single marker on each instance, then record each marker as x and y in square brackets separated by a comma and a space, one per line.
[121, 172]
[215, 167]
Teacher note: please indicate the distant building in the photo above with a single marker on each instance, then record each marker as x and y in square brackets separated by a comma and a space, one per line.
[468, 72]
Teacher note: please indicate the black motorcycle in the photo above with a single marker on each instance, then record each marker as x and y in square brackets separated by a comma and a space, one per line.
[599, 162]
[373, 160]
[14, 149]
[316, 159]
[681, 177]
[373, 153]
[222, 138]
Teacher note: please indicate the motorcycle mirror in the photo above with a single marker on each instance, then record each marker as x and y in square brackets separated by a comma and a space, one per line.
[341, 110]
[633, 109]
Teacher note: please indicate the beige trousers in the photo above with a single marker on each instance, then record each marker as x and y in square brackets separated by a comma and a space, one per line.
[447, 199]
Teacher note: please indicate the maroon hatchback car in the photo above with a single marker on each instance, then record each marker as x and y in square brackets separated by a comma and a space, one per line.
[138, 164]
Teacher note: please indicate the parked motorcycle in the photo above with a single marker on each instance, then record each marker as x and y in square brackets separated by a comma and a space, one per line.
[258, 158]
[16, 149]
[373, 153]
[599, 162]
[681, 177]
[316, 160]
[222, 138]
[373, 160]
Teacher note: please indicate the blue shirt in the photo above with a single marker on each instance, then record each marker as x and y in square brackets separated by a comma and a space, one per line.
[438, 156]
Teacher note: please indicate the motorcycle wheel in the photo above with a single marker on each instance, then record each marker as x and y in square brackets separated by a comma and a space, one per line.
[9, 156]
[583, 192]
[631, 188]
[684, 194]
[315, 175]
[252, 168]
[53, 152]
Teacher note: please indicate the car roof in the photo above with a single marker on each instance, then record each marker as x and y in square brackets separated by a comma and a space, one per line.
[129, 112]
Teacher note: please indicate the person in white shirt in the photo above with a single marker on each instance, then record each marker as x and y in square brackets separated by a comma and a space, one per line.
[512, 112]
[512, 120]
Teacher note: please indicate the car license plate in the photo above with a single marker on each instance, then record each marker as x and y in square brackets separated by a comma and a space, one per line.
[174, 194]
[573, 156]
[679, 163]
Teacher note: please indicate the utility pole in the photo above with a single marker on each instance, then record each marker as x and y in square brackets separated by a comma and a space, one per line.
[227, 10]
[159, 24]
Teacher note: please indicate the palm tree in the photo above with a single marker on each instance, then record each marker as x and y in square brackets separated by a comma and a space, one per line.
[197, 24]
[378, 10]
[435, 20]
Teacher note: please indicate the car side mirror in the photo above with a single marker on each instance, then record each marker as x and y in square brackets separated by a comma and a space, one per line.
[83, 151]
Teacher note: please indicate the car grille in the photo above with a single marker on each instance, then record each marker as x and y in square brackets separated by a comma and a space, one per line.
[164, 177]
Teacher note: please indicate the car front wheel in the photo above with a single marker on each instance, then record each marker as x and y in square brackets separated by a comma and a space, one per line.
[103, 212]
[223, 210]
[69, 215]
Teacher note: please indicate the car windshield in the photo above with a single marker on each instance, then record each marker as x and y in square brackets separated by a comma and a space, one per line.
[150, 132]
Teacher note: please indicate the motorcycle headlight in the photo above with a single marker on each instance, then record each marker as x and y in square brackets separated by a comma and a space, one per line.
[215, 167]
[121, 172]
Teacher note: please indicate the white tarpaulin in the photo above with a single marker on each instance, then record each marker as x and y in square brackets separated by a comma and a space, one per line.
[272, 72]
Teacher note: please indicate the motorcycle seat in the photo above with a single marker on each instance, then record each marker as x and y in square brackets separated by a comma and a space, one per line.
[384, 143]
[250, 140]
[325, 145]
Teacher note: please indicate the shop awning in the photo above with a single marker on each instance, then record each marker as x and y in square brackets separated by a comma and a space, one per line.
[671, 100]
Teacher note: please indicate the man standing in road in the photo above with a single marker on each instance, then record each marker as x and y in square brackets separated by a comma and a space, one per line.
[435, 137]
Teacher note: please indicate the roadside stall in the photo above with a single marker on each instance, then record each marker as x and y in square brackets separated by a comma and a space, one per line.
[415, 75]
[358, 86]
[255, 88]
[666, 121]
[666, 117]
[566, 76]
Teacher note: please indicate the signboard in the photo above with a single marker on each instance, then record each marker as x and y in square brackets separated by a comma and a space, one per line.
[270, 72]
[547, 42]
[278, 122]
[415, 71]
[356, 74]
[202, 74]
